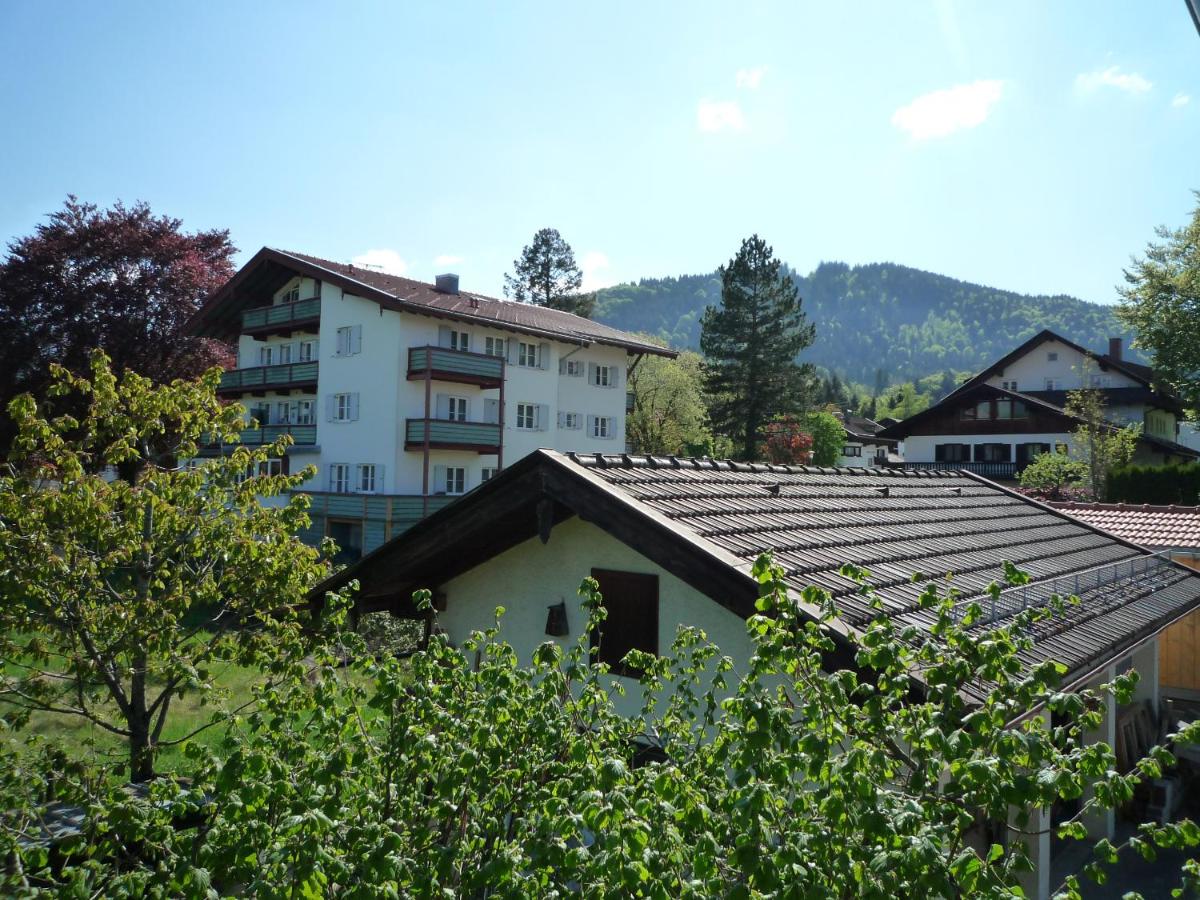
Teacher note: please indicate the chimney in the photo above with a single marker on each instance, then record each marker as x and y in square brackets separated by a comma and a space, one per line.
[1114, 348]
[446, 284]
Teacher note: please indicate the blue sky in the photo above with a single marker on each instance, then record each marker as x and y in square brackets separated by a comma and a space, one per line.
[1027, 145]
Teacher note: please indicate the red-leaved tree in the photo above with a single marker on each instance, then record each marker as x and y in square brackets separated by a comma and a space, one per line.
[787, 442]
[121, 279]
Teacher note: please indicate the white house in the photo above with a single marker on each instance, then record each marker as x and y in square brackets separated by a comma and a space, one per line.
[403, 394]
[995, 423]
[672, 542]
[863, 445]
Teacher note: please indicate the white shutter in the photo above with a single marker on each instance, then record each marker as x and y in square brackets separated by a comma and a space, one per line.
[614, 376]
[343, 342]
[442, 407]
[467, 417]
[439, 480]
[330, 407]
[591, 426]
[379, 489]
[356, 339]
[491, 411]
[333, 476]
[543, 356]
[513, 346]
[443, 335]
[543, 416]
[354, 407]
[562, 419]
[562, 366]
[592, 373]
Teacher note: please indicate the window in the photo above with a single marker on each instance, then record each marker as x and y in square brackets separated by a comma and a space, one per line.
[283, 354]
[601, 376]
[272, 466]
[291, 295]
[488, 473]
[266, 356]
[952, 452]
[283, 411]
[1051, 384]
[460, 340]
[1004, 409]
[993, 453]
[631, 601]
[569, 420]
[571, 367]
[1052, 357]
[527, 416]
[349, 340]
[261, 413]
[307, 351]
[456, 480]
[339, 478]
[304, 412]
[527, 355]
[602, 427]
[1100, 381]
[1027, 452]
[493, 346]
[348, 535]
[343, 408]
[852, 450]
[456, 409]
[1009, 385]
[364, 483]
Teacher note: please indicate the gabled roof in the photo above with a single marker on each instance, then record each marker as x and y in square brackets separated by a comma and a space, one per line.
[1160, 527]
[1034, 399]
[270, 269]
[862, 429]
[1140, 373]
[707, 521]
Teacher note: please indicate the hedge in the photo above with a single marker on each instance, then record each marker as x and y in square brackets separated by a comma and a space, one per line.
[1177, 483]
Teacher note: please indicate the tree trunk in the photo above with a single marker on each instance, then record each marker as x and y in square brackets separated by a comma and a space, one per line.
[141, 754]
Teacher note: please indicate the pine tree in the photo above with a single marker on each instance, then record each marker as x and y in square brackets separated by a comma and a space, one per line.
[546, 274]
[750, 343]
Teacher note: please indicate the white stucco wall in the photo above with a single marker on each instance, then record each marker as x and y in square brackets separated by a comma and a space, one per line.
[1031, 370]
[920, 447]
[532, 576]
[378, 374]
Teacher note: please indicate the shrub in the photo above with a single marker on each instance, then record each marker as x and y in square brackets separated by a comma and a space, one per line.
[1177, 483]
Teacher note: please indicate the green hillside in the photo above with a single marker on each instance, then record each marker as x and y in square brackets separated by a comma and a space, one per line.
[885, 316]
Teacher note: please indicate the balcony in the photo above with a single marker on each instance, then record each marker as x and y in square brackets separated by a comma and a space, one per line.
[302, 435]
[997, 471]
[283, 318]
[261, 378]
[441, 364]
[445, 434]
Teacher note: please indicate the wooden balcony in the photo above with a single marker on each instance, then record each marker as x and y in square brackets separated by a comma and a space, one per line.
[997, 471]
[283, 318]
[302, 435]
[262, 378]
[444, 434]
[442, 364]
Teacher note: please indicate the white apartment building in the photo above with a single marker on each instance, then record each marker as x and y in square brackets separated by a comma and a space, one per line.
[999, 420]
[405, 395]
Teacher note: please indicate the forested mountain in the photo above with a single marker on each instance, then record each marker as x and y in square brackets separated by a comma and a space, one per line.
[881, 316]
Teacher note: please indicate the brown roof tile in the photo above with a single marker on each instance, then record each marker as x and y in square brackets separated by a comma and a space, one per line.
[1174, 527]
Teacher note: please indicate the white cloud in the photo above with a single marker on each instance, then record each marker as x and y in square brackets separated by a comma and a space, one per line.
[1130, 82]
[719, 115]
[447, 259]
[750, 78]
[593, 266]
[944, 112]
[1181, 99]
[381, 260]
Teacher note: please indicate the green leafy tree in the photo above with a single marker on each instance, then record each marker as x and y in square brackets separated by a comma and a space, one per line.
[467, 771]
[669, 414]
[1100, 445]
[546, 274]
[751, 342]
[1161, 301]
[122, 594]
[1053, 475]
[828, 437]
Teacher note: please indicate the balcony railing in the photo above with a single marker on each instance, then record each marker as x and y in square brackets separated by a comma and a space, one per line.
[302, 435]
[442, 364]
[281, 316]
[287, 375]
[445, 434]
[1003, 471]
